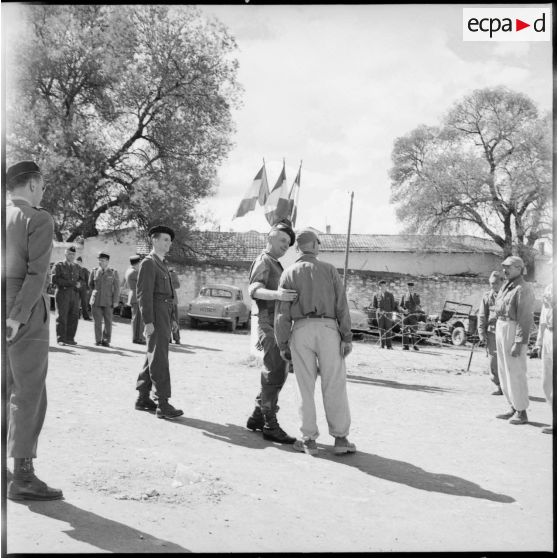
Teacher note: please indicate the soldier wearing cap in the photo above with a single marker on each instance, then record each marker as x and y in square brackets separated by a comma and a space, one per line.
[66, 278]
[84, 289]
[131, 282]
[514, 312]
[156, 297]
[264, 289]
[384, 304]
[105, 296]
[29, 233]
[315, 331]
[410, 306]
[486, 326]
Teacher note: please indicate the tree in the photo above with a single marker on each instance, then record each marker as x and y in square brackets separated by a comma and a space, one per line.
[487, 167]
[126, 108]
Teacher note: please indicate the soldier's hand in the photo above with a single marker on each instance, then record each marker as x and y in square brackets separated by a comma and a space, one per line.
[286, 355]
[78, 285]
[535, 352]
[174, 326]
[12, 327]
[515, 350]
[148, 329]
[115, 305]
[482, 341]
[346, 348]
[286, 295]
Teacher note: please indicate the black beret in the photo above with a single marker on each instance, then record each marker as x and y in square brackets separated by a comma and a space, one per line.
[71, 249]
[410, 284]
[135, 259]
[286, 228]
[382, 282]
[23, 167]
[103, 255]
[161, 229]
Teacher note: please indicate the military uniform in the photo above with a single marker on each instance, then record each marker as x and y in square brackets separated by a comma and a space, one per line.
[131, 279]
[66, 277]
[544, 341]
[176, 285]
[384, 304]
[84, 292]
[487, 331]
[410, 302]
[155, 295]
[105, 287]
[29, 234]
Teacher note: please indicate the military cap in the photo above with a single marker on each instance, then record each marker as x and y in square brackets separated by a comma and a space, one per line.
[305, 236]
[284, 226]
[382, 282]
[21, 168]
[161, 229]
[71, 249]
[103, 255]
[135, 259]
[513, 260]
[410, 284]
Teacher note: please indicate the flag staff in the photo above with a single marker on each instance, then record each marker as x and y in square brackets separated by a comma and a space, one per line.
[348, 241]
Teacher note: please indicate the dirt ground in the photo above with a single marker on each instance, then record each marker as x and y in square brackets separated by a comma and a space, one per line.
[435, 470]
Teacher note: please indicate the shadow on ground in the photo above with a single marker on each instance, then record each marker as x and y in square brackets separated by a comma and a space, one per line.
[371, 464]
[100, 532]
[393, 384]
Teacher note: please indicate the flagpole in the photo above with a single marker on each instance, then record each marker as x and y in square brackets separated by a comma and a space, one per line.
[348, 242]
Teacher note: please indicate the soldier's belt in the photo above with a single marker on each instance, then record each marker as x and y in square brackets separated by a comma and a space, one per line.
[505, 319]
[163, 298]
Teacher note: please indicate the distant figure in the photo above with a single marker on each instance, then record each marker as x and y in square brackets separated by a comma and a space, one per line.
[410, 306]
[131, 281]
[105, 296]
[176, 285]
[384, 304]
[84, 289]
[514, 312]
[315, 331]
[66, 278]
[29, 231]
[486, 325]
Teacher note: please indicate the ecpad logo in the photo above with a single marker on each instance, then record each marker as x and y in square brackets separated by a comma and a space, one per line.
[507, 24]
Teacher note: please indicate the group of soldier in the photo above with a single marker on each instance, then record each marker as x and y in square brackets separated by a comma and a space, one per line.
[303, 317]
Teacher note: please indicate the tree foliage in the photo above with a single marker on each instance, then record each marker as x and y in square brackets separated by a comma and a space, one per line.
[487, 167]
[126, 108]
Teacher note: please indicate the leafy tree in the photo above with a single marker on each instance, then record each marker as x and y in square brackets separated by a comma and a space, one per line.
[487, 168]
[126, 108]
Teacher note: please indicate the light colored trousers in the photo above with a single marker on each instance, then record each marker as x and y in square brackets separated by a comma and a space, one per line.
[512, 371]
[316, 342]
[547, 366]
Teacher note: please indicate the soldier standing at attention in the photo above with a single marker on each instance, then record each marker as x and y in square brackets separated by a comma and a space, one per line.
[487, 326]
[514, 311]
[385, 304]
[29, 233]
[264, 288]
[66, 279]
[105, 295]
[156, 302]
[84, 289]
[410, 303]
[131, 281]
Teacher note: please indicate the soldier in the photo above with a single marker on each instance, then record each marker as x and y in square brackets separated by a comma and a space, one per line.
[264, 288]
[176, 285]
[316, 330]
[105, 296]
[29, 232]
[384, 304]
[514, 311]
[486, 326]
[66, 279]
[410, 305]
[156, 302]
[84, 289]
[131, 281]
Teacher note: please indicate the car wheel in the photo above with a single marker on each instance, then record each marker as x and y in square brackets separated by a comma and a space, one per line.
[232, 324]
[458, 336]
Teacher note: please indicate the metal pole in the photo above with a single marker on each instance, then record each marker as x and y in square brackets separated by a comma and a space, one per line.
[348, 241]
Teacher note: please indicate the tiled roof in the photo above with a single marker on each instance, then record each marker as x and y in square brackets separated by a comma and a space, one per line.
[244, 247]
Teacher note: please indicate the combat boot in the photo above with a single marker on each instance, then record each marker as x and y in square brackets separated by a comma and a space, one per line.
[167, 411]
[145, 403]
[256, 421]
[26, 486]
[273, 432]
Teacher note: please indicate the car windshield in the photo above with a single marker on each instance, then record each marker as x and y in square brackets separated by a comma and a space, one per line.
[216, 293]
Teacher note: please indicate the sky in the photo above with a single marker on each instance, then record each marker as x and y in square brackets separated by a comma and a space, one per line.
[333, 86]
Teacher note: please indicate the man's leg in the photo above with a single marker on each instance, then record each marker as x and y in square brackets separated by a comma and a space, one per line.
[389, 331]
[83, 293]
[73, 314]
[62, 305]
[97, 312]
[107, 318]
[547, 374]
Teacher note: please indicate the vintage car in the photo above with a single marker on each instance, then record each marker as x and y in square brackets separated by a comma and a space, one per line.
[220, 304]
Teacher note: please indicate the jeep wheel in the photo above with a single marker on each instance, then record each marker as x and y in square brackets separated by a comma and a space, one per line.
[458, 336]
[232, 324]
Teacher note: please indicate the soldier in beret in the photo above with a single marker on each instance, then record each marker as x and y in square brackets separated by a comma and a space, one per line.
[29, 232]
[384, 304]
[84, 289]
[66, 278]
[105, 296]
[410, 305]
[131, 281]
[156, 299]
[264, 289]
[514, 312]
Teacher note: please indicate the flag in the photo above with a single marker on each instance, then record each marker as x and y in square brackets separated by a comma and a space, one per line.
[277, 205]
[258, 192]
[293, 197]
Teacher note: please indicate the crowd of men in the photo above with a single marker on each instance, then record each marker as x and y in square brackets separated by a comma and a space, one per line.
[303, 324]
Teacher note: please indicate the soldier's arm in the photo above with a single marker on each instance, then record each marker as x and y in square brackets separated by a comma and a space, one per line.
[283, 319]
[524, 314]
[116, 290]
[482, 317]
[144, 290]
[41, 232]
[342, 308]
